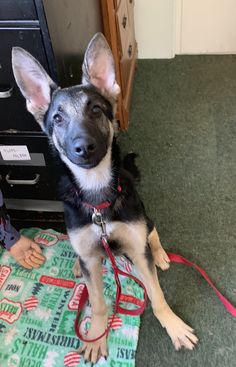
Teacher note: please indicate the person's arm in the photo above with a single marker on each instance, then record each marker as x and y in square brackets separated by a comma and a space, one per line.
[8, 234]
[24, 250]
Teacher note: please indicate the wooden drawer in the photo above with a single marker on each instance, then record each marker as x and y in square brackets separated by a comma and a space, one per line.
[126, 62]
[123, 25]
[17, 10]
[118, 21]
[130, 7]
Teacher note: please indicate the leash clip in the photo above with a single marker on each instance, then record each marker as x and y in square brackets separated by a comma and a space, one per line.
[98, 220]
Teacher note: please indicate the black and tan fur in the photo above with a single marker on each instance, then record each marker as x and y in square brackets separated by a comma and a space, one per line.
[79, 123]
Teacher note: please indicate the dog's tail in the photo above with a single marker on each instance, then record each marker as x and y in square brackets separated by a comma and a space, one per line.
[130, 165]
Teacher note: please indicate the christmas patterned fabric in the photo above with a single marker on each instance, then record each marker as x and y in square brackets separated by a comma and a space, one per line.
[38, 309]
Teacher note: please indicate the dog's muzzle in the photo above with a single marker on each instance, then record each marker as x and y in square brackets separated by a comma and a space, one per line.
[86, 152]
[84, 147]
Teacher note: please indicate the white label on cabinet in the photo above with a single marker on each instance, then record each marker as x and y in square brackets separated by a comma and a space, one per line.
[15, 153]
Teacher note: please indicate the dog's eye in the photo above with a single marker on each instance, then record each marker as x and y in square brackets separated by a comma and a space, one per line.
[96, 109]
[57, 118]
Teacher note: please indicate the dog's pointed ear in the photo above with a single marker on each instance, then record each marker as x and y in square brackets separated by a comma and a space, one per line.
[99, 68]
[33, 81]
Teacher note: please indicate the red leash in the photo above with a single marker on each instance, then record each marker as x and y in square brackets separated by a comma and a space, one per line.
[182, 260]
[120, 297]
[130, 299]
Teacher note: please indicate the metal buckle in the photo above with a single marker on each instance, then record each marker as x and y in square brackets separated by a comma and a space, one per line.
[98, 220]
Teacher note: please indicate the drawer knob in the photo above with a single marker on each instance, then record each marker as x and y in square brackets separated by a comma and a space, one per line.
[124, 21]
[6, 91]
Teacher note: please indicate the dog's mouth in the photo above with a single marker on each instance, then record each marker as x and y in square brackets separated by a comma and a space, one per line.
[86, 163]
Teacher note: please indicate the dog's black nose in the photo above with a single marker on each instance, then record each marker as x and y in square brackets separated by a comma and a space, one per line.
[84, 147]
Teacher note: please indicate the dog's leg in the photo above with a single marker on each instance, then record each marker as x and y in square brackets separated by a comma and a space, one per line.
[140, 253]
[180, 333]
[92, 272]
[90, 259]
[161, 258]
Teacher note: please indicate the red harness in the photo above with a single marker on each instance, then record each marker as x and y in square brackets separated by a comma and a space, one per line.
[120, 297]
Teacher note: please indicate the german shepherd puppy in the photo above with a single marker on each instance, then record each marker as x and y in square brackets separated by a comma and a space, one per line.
[79, 123]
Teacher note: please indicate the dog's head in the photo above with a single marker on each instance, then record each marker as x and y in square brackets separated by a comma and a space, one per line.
[77, 119]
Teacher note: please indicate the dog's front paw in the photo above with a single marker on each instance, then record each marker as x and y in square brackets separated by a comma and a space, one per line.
[180, 333]
[92, 351]
[161, 258]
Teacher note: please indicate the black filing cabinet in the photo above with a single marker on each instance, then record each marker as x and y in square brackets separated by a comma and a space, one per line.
[56, 32]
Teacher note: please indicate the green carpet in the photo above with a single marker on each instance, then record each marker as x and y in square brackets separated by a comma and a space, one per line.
[183, 126]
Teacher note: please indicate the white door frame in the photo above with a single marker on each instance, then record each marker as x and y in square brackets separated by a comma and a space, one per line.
[178, 11]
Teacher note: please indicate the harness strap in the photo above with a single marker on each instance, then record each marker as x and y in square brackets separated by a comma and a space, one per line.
[105, 204]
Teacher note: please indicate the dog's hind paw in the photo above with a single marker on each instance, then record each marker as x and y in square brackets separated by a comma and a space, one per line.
[180, 333]
[161, 258]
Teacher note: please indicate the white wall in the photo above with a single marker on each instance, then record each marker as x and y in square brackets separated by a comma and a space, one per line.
[207, 27]
[155, 28]
[168, 27]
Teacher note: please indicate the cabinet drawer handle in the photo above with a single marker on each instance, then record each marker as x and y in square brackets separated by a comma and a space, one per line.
[6, 91]
[34, 181]
[124, 21]
[130, 49]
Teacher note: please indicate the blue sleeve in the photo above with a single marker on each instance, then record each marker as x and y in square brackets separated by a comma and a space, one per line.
[8, 234]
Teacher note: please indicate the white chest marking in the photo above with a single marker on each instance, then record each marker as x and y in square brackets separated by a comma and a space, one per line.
[95, 178]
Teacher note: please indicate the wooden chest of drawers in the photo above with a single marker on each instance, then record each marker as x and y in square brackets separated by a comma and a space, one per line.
[118, 23]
